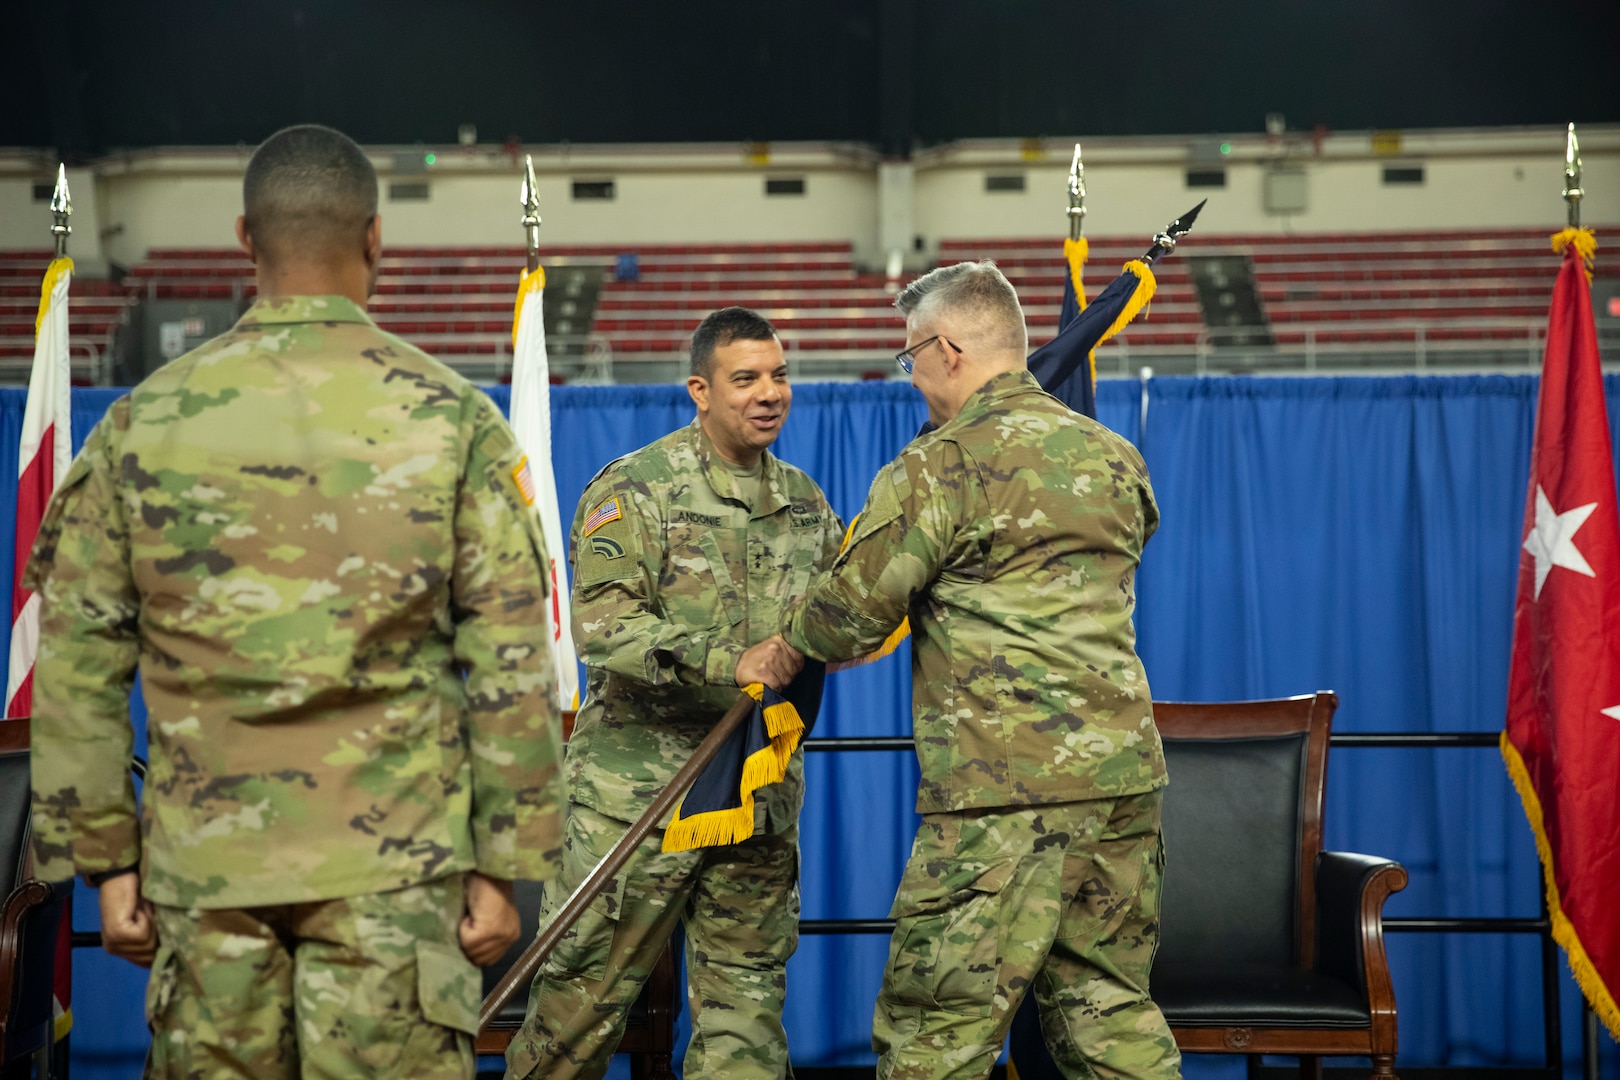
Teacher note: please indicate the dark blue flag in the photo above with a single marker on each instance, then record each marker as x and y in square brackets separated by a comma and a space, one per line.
[1065, 366]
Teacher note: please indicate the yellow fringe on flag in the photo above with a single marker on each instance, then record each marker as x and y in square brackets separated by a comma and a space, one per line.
[714, 829]
[768, 765]
[532, 281]
[1075, 253]
[1139, 299]
[1563, 931]
[53, 274]
[1586, 245]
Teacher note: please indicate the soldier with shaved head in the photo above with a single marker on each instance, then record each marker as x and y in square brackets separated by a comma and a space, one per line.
[1010, 536]
[316, 546]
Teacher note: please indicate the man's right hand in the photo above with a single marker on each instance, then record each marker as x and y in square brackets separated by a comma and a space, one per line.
[128, 928]
[773, 662]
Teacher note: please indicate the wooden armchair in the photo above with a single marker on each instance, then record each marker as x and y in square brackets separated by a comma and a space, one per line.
[29, 917]
[1269, 945]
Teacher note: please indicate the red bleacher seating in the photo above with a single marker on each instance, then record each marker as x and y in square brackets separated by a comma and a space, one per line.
[1329, 289]
[94, 309]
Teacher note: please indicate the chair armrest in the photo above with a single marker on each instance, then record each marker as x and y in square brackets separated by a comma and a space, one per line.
[23, 901]
[1350, 894]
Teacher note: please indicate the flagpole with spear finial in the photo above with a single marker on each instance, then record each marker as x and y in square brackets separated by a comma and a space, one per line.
[529, 196]
[62, 209]
[1077, 195]
[1572, 178]
[523, 969]
[1164, 243]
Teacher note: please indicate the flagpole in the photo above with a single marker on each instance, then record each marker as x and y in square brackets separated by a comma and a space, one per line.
[1572, 178]
[1164, 243]
[529, 196]
[1572, 201]
[1077, 195]
[522, 972]
[43, 455]
[62, 209]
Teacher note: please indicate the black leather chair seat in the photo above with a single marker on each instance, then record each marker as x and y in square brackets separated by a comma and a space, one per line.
[1248, 995]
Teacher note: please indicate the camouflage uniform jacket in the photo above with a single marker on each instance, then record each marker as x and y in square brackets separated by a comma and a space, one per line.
[674, 577]
[312, 540]
[1011, 537]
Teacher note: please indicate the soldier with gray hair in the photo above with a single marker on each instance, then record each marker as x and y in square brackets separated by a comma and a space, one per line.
[318, 548]
[1010, 537]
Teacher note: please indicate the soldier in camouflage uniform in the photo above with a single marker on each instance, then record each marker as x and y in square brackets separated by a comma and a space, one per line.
[1010, 536]
[685, 553]
[315, 545]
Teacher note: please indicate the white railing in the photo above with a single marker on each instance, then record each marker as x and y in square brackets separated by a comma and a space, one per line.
[1416, 344]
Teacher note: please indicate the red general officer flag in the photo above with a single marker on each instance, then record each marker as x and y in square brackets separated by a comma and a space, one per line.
[1562, 742]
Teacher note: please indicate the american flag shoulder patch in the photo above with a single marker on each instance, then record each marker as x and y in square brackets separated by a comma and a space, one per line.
[524, 481]
[608, 511]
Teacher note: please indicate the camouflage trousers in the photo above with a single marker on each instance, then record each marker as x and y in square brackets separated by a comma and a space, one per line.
[368, 986]
[740, 909]
[1063, 898]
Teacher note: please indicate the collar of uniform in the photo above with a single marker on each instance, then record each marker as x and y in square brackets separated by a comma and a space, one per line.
[725, 485]
[303, 309]
[997, 389]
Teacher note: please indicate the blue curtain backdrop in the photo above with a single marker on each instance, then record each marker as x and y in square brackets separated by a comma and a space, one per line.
[1354, 534]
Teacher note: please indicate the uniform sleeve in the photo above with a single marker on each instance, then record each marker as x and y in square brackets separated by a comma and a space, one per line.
[498, 595]
[619, 624]
[898, 546]
[85, 815]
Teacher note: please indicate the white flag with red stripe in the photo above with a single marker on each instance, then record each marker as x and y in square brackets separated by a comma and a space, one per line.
[44, 454]
[43, 457]
[531, 421]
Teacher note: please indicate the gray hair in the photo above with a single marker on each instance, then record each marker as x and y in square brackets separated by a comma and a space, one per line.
[974, 293]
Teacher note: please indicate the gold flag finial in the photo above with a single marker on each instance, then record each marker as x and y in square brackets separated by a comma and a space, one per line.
[62, 209]
[1572, 178]
[1077, 195]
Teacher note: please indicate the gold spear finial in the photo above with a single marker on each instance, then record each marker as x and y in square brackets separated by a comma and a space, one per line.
[529, 196]
[1572, 178]
[62, 208]
[1077, 195]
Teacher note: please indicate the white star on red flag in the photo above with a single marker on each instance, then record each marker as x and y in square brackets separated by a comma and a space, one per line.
[1552, 541]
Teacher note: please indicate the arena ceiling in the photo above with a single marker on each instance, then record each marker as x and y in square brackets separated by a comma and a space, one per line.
[91, 76]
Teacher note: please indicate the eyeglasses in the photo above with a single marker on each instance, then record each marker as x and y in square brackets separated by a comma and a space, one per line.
[907, 357]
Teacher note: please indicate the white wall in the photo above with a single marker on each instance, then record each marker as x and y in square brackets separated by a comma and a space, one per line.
[1473, 180]
[191, 198]
[687, 194]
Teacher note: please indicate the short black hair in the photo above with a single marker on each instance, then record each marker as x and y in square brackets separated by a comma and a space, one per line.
[309, 190]
[720, 329]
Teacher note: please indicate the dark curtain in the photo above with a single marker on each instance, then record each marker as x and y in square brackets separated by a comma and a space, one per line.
[1353, 534]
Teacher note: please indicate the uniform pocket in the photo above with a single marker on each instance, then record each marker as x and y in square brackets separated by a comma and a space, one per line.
[449, 987]
[1110, 887]
[160, 987]
[584, 950]
[732, 608]
[946, 948]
